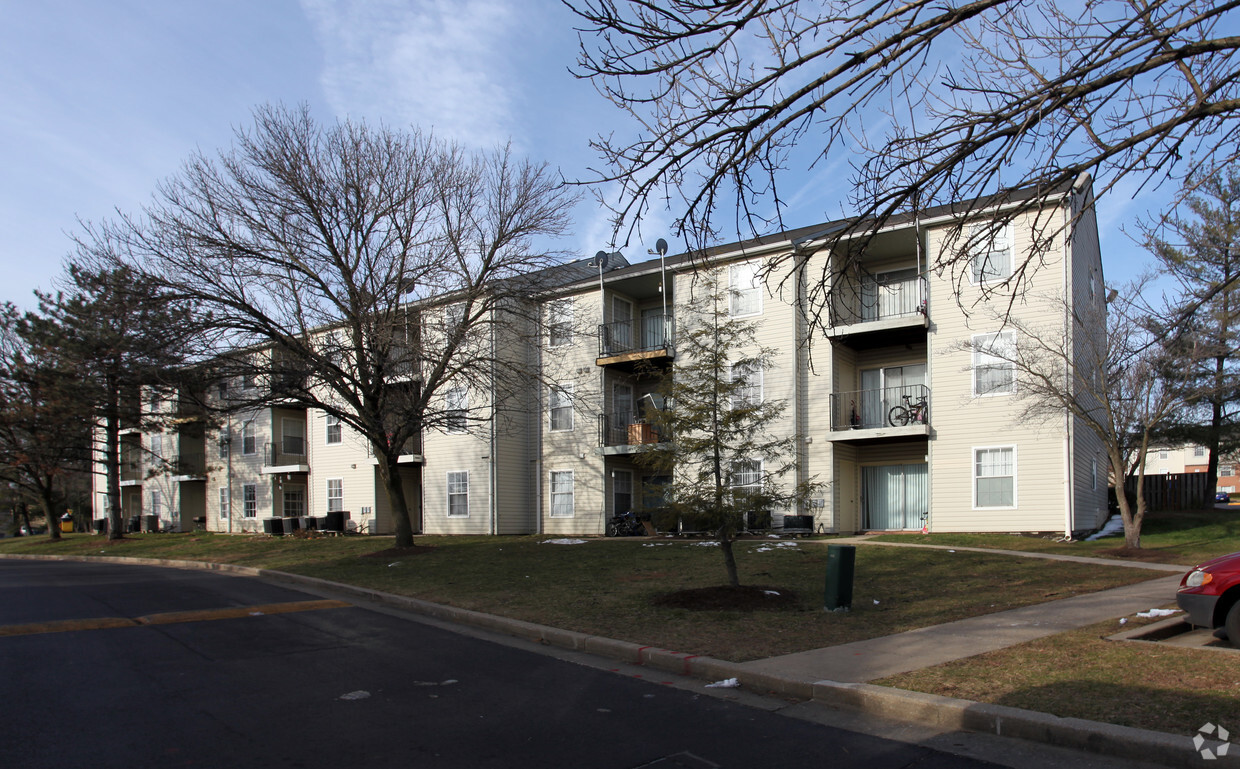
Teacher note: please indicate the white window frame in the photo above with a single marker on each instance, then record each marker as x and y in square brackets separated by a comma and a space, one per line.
[284, 501]
[298, 433]
[456, 408]
[225, 502]
[157, 503]
[984, 360]
[1199, 451]
[249, 500]
[560, 399]
[974, 473]
[758, 470]
[751, 391]
[249, 436]
[984, 242]
[744, 301]
[560, 318]
[335, 496]
[1226, 471]
[456, 484]
[157, 446]
[224, 444]
[569, 496]
[333, 431]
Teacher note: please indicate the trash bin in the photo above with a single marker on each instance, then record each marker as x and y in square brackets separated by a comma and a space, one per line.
[66, 523]
[840, 566]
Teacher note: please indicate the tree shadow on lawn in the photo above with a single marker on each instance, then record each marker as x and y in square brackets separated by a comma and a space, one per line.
[728, 597]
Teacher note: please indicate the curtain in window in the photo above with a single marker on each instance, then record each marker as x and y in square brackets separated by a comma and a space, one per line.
[895, 496]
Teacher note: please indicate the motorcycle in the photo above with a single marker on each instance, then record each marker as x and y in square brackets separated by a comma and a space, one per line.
[625, 524]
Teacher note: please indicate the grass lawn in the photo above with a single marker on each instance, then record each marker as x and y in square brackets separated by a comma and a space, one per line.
[605, 587]
[1184, 537]
[1081, 674]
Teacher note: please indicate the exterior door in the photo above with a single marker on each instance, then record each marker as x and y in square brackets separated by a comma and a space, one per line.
[622, 323]
[621, 491]
[654, 333]
[882, 388]
[895, 497]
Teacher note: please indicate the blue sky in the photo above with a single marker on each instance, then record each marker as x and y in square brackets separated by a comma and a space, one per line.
[102, 100]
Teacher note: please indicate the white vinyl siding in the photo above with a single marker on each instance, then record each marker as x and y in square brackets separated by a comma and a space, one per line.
[560, 405]
[458, 494]
[745, 290]
[562, 494]
[994, 477]
[335, 495]
[994, 368]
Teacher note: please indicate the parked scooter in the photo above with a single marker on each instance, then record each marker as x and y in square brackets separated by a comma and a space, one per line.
[625, 524]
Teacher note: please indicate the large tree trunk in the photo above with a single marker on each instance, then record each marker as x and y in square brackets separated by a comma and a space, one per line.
[112, 461]
[389, 473]
[48, 505]
[729, 559]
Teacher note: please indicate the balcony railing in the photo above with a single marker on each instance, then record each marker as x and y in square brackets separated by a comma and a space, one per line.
[289, 451]
[872, 409]
[870, 299]
[625, 428]
[188, 463]
[647, 334]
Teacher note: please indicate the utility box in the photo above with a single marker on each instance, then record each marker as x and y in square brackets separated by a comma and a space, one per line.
[840, 567]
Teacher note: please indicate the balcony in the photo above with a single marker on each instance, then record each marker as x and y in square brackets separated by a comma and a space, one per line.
[285, 456]
[876, 309]
[893, 412]
[624, 432]
[188, 466]
[410, 453]
[635, 340]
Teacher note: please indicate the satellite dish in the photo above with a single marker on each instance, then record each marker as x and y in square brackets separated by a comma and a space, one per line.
[601, 259]
[660, 246]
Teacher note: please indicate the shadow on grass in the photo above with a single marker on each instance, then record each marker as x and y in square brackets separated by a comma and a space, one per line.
[1173, 711]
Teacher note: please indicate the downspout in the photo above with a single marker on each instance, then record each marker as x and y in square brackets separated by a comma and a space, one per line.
[231, 512]
[1068, 448]
[537, 429]
[491, 439]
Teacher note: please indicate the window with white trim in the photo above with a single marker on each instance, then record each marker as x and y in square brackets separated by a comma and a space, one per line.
[157, 446]
[1199, 451]
[990, 247]
[335, 494]
[560, 406]
[1164, 454]
[994, 365]
[222, 444]
[249, 439]
[745, 477]
[560, 323]
[1226, 470]
[744, 289]
[458, 494]
[562, 499]
[157, 503]
[334, 433]
[994, 477]
[747, 377]
[225, 501]
[456, 410]
[293, 437]
[249, 500]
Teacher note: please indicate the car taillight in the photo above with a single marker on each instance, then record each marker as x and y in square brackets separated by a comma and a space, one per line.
[1197, 578]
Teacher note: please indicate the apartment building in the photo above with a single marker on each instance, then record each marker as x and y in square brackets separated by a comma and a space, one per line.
[558, 456]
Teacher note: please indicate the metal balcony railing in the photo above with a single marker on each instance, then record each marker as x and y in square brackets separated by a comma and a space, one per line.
[289, 451]
[625, 428]
[872, 409]
[188, 463]
[869, 299]
[647, 334]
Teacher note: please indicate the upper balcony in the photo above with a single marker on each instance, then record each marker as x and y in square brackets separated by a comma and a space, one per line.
[879, 310]
[629, 342]
[624, 432]
[892, 412]
[188, 466]
[288, 455]
[410, 453]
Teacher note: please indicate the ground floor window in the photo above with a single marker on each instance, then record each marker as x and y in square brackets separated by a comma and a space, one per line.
[458, 494]
[335, 495]
[249, 500]
[895, 497]
[224, 502]
[562, 501]
[157, 503]
[994, 477]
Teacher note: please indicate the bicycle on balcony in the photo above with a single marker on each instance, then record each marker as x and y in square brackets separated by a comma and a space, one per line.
[912, 412]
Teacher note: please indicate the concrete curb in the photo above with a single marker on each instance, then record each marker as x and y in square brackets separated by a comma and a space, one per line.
[895, 704]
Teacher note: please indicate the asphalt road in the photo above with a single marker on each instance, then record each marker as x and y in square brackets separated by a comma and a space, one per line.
[131, 666]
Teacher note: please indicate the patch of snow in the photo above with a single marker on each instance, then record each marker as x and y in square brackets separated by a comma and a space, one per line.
[1123, 620]
[563, 542]
[710, 543]
[1157, 613]
[771, 592]
[357, 695]
[787, 544]
[764, 550]
[1113, 526]
[727, 683]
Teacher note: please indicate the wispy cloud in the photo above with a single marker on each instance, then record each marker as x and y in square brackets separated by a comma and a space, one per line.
[439, 64]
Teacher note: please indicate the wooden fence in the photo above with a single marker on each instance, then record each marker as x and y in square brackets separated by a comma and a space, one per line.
[1174, 491]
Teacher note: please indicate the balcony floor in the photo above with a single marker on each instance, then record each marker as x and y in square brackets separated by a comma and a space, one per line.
[880, 433]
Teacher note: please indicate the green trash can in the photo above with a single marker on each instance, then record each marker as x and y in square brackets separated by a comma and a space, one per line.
[840, 566]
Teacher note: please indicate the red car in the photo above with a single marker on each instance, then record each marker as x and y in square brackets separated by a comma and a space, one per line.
[1210, 594]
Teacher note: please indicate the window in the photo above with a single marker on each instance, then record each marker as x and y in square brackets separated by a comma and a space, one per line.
[991, 252]
[294, 502]
[222, 444]
[745, 289]
[157, 446]
[1226, 470]
[1093, 473]
[458, 494]
[334, 433]
[249, 444]
[562, 494]
[560, 323]
[994, 370]
[1164, 454]
[994, 477]
[293, 437]
[157, 503]
[747, 378]
[222, 389]
[249, 500]
[1199, 451]
[745, 477]
[453, 317]
[224, 502]
[456, 409]
[561, 406]
[335, 494]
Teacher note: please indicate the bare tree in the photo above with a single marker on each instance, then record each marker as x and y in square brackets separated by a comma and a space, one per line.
[358, 270]
[986, 101]
[1110, 371]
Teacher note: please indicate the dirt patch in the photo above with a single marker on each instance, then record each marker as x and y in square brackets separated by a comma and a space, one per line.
[1134, 554]
[399, 552]
[727, 597]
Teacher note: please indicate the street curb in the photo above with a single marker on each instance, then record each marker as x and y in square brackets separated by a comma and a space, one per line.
[896, 704]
